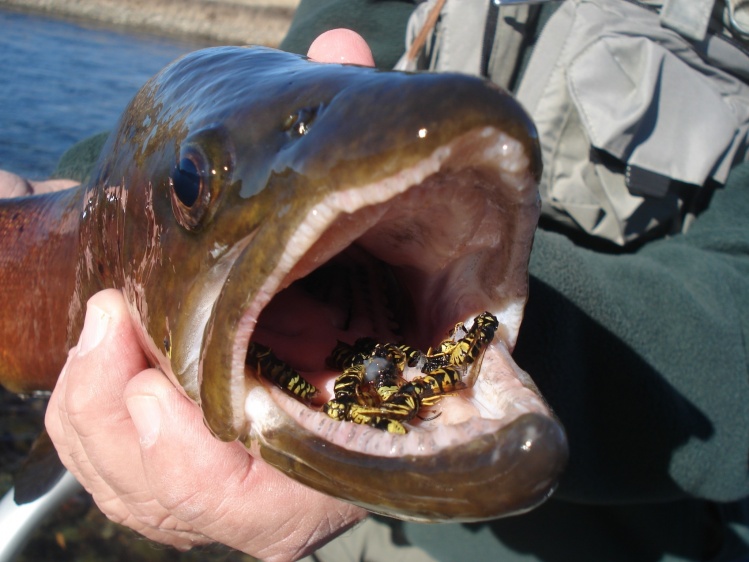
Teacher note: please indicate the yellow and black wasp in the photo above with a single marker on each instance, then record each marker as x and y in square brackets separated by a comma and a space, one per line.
[380, 366]
[466, 350]
[268, 365]
[405, 403]
[372, 372]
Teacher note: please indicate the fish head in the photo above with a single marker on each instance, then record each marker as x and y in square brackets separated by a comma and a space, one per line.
[256, 196]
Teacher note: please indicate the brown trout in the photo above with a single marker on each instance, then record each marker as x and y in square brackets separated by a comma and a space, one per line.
[250, 195]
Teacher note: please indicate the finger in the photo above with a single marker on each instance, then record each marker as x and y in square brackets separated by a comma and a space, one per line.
[12, 185]
[341, 46]
[48, 186]
[91, 427]
[218, 487]
[63, 434]
[62, 408]
[53, 418]
[88, 399]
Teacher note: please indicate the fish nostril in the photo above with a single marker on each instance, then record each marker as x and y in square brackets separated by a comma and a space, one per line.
[297, 124]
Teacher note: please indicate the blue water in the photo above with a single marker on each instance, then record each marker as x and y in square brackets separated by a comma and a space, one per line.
[61, 82]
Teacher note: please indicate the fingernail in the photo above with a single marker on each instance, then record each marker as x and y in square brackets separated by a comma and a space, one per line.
[146, 415]
[94, 329]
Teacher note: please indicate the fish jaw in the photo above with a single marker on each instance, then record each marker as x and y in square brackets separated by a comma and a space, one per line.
[494, 450]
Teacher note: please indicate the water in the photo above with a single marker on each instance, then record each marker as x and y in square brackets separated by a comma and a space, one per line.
[61, 82]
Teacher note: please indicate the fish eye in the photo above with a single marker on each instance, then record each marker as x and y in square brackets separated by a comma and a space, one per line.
[202, 171]
[191, 181]
[187, 181]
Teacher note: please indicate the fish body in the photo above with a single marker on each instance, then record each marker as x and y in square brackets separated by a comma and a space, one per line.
[250, 196]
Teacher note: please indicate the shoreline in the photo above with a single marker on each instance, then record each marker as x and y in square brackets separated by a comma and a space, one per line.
[236, 22]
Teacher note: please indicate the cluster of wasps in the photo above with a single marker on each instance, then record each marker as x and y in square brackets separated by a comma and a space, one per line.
[372, 390]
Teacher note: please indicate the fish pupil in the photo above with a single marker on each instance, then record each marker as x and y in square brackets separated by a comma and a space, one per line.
[186, 181]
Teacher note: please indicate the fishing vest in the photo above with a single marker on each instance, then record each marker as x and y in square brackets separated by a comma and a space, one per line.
[642, 108]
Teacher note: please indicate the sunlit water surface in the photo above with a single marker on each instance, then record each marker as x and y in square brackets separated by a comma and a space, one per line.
[61, 82]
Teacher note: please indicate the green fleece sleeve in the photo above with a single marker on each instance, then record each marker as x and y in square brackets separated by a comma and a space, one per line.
[381, 22]
[643, 357]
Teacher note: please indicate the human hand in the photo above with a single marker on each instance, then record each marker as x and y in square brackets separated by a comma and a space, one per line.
[12, 185]
[143, 452]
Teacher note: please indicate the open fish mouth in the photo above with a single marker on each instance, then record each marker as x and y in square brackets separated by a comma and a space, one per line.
[334, 203]
[402, 260]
